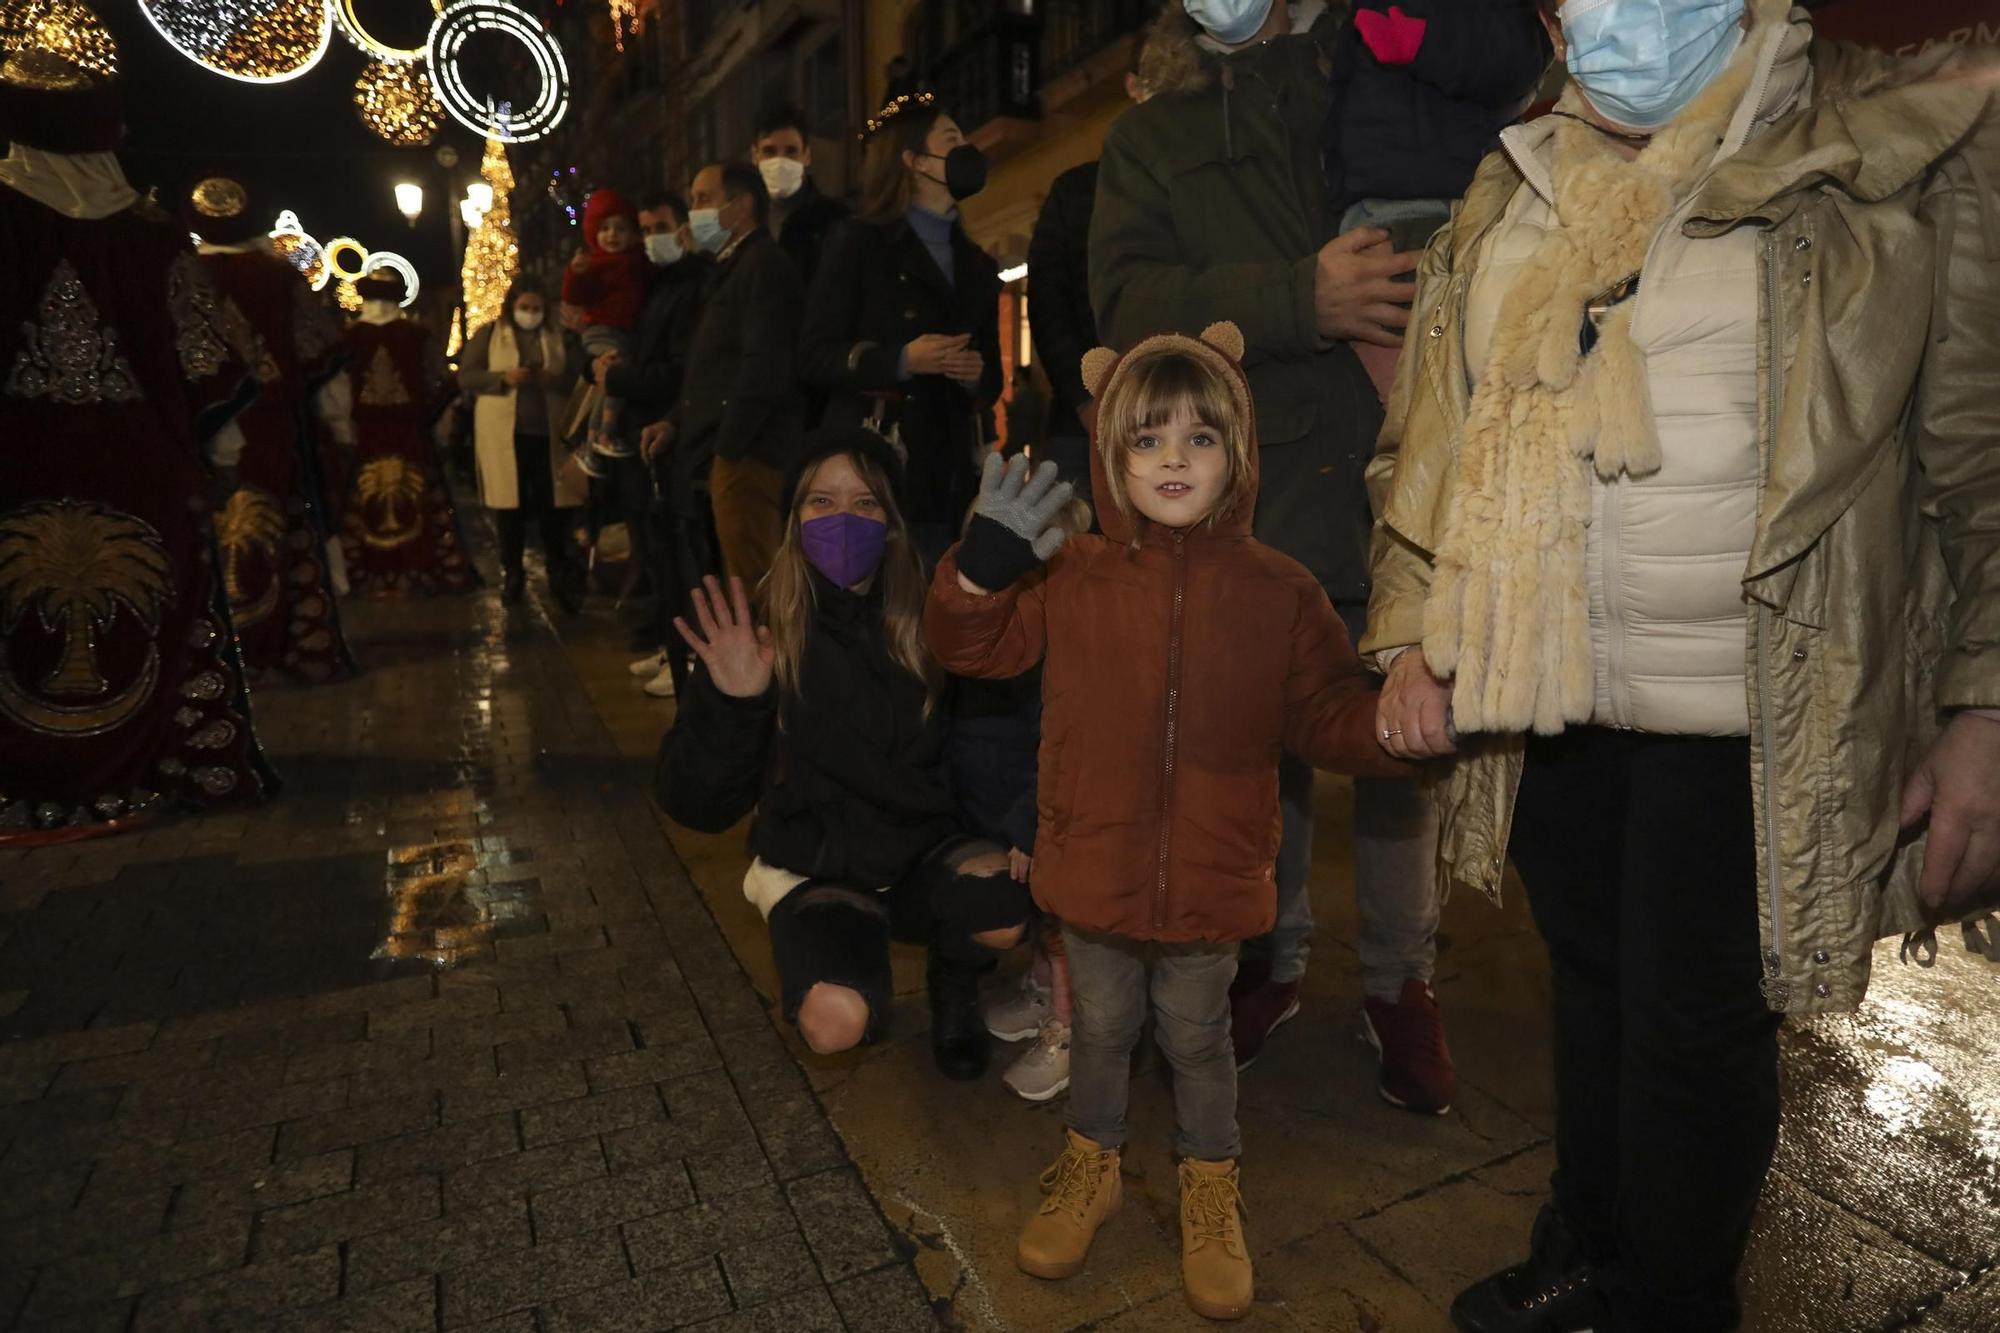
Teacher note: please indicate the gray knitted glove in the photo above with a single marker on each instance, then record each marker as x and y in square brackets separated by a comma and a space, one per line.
[1013, 524]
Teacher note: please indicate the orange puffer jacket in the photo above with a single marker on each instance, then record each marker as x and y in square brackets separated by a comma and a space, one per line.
[1178, 667]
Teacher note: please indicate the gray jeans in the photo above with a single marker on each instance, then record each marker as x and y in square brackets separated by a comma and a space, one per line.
[1395, 874]
[1188, 991]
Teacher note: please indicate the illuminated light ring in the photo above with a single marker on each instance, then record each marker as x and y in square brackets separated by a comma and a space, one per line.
[468, 18]
[339, 245]
[322, 40]
[350, 27]
[389, 259]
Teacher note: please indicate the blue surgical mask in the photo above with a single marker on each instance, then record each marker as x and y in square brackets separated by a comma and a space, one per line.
[1640, 62]
[1230, 22]
[705, 224]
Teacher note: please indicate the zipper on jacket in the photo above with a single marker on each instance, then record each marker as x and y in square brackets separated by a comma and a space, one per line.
[1777, 991]
[1173, 729]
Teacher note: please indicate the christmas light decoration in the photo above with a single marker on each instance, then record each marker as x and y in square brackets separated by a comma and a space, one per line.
[470, 18]
[256, 41]
[346, 296]
[299, 250]
[397, 102]
[345, 19]
[492, 257]
[389, 259]
[341, 245]
[63, 28]
[624, 14]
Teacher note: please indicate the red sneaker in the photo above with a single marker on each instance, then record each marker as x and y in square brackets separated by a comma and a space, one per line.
[1417, 1072]
[1255, 1012]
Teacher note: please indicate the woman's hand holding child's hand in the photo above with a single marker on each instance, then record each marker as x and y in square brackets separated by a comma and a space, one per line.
[1013, 525]
[1411, 717]
[737, 651]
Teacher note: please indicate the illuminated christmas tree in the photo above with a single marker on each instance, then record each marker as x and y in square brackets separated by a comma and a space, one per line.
[492, 255]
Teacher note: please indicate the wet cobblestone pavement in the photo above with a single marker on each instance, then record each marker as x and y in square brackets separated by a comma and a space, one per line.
[236, 1090]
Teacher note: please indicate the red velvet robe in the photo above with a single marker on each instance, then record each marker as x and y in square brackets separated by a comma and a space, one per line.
[400, 529]
[272, 531]
[121, 693]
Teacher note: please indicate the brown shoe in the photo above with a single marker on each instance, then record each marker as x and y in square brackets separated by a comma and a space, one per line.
[1215, 1262]
[1083, 1189]
[1417, 1073]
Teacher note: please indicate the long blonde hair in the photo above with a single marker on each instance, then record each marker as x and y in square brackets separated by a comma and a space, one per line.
[1157, 387]
[789, 601]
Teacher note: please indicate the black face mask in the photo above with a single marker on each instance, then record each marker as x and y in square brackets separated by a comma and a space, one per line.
[964, 171]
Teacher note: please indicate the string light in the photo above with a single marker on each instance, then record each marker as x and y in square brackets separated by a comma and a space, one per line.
[341, 245]
[349, 24]
[624, 14]
[397, 102]
[299, 250]
[256, 41]
[389, 259]
[492, 257]
[470, 18]
[63, 28]
[346, 296]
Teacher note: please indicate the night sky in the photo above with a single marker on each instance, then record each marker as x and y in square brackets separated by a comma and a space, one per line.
[298, 144]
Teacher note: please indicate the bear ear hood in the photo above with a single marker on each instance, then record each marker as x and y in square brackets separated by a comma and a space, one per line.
[1220, 345]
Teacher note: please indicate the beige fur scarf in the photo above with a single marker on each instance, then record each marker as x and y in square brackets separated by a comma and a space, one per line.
[1508, 613]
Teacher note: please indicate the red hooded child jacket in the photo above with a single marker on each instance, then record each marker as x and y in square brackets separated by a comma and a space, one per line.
[612, 289]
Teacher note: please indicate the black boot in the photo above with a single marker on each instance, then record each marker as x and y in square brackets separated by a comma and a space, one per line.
[959, 1042]
[568, 581]
[1553, 1292]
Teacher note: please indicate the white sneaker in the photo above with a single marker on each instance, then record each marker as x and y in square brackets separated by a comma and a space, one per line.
[662, 685]
[1043, 1070]
[649, 667]
[1019, 1016]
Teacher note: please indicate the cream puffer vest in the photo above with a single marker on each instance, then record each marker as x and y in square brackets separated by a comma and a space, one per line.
[1665, 554]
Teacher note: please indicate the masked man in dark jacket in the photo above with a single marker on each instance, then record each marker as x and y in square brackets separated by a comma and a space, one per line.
[1211, 205]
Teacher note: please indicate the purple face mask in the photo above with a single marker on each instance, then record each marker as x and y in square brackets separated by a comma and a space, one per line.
[847, 548]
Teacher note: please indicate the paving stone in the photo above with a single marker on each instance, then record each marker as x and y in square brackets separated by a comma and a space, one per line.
[452, 1067]
[536, 1276]
[454, 1241]
[533, 1086]
[248, 1298]
[306, 1035]
[438, 1150]
[338, 1217]
[137, 1067]
[737, 1165]
[70, 1047]
[290, 1101]
[888, 1300]
[270, 1186]
[407, 1307]
[106, 1224]
[174, 1256]
[129, 1167]
[394, 1055]
[841, 1223]
[597, 1204]
[598, 1113]
[655, 1064]
[669, 1299]
[518, 1174]
[104, 1317]
[708, 1228]
[773, 1267]
[356, 1125]
[31, 1192]
[585, 1041]
[795, 1134]
[807, 1312]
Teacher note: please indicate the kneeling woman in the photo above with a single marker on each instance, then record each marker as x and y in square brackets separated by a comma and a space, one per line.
[829, 720]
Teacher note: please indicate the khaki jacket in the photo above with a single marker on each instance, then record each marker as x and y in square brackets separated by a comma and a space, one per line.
[1874, 575]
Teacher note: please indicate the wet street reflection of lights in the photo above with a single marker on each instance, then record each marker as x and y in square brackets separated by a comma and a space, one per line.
[445, 904]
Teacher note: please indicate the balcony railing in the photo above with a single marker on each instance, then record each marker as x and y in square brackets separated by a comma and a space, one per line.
[1075, 30]
[993, 72]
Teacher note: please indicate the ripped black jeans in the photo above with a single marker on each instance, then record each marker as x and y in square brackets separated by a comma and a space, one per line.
[827, 932]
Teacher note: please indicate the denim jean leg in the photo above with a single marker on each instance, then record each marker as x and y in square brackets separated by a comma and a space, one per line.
[1396, 884]
[1289, 943]
[1191, 1024]
[1108, 992]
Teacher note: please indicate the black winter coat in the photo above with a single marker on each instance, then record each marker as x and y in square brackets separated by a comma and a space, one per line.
[739, 390]
[807, 225]
[1418, 131]
[854, 786]
[650, 381]
[1064, 326]
[996, 738]
[877, 289]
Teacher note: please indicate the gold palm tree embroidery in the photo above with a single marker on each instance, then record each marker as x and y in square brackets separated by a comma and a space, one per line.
[397, 487]
[383, 387]
[251, 524]
[79, 561]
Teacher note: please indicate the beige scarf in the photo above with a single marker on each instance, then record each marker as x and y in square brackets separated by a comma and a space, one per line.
[1508, 613]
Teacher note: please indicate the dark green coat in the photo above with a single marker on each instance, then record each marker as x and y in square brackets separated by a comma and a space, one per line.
[1211, 205]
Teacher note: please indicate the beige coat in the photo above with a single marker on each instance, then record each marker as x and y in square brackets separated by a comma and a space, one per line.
[492, 352]
[1874, 573]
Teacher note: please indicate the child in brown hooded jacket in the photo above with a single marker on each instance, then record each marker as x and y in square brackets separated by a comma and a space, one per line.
[1182, 657]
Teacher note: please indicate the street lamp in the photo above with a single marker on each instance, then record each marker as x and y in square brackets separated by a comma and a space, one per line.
[410, 201]
[480, 195]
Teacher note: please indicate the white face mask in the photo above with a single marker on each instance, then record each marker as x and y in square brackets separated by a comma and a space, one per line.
[706, 226]
[528, 320]
[663, 248]
[1230, 22]
[782, 176]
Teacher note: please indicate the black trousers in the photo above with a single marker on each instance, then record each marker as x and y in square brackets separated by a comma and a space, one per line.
[535, 486]
[1638, 855]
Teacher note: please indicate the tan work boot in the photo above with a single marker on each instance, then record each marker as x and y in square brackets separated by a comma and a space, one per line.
[1082, 1189]
[1215, 1262]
